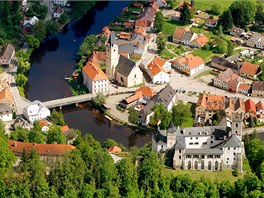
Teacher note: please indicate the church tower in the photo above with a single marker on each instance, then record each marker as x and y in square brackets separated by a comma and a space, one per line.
[171, 136]
[112, 56]
[237, 125]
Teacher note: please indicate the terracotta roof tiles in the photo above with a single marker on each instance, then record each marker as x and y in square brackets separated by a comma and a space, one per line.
[250, 106]
[249, 68]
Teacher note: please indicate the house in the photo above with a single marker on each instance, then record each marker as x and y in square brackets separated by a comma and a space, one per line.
[260, 43]
[189, 64]
[176, 16]
[235, 31]
[7, 53]
[60, 2]
[243, 88]
[208, 104]
[58, 12]
[146, 19]
[31, 22]
[140, 30]
[69, 134]
[254, 39]
[223, 64]
[147, 92]
[258, 89]
[132, 50]
[93, 77]
[228, 80]
[249, 70]
[166, 96]
[6, 96]
[210, 148]
[21, 122]
[178, 34]
[47, 152]
[6, 112]
[240, 108]
[234, 107]
[181, 4]
[114, 149]
[200, 41]
[157, 74]
[126, 72]
[105, 32]
[44, 125]
[260, 110]
[140, 40]
[124, 35]
[250, 108]
[36, 111]
[212, 23]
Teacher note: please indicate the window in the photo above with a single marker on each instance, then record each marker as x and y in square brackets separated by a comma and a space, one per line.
[227, 158]
[204, 143]
[209, 156]
[196, 138]
[179, 157]
[191, 143]
[234, 153]
[234, 158]
[196, 156]
[188, 156]
[196, 143]
[203, 156]
[212, 142]
[180, 151]
[135, 76]
[234, 148]
[191, 138]
[228, 148]
[217, 156]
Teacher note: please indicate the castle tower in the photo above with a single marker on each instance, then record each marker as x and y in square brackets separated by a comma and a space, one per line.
[171, 136]
[237, 124]
[112, 56]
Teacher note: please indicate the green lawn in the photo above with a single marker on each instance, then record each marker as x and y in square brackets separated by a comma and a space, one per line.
[188, 123]
[196, 175]
[206, 4]
[166, 54]
[170, 26]
[206, 73]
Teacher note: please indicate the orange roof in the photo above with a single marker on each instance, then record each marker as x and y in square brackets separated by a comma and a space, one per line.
[178, 33]
[143, 23]
[92, 70]
[43, 123]
[182, 3]
[134, 97]
[202, 40]
[250, 106]
[41, 149]
[65, 128]
[211, 102]
[114, 149]
[190, 60]
[230, 103]
[244, 87]
[155, 68]
[106, 31]
[202, 101]
[260, 106]
[249, 68]
[6, 94]
[140, 30]
[128, 23]
[124, 35]
[159, 61]
[146, 91]
[155, 6]
[124, 54]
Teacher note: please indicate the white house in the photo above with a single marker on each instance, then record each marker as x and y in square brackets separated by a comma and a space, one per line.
[36, 111]
[58, 12]
[31, 22]
[60, 2]
[6, 112]
[189, 64]
[212, 148]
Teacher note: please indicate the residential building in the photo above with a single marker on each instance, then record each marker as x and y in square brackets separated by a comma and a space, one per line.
[228, 80]
[223, 64]
[31, 22]
[125, 35]
[260, 110]
[200, 41]
[235, 31]
[146, 18]
[93, 77]
[189, 64]
[47, 152]
[58, 12]
[6, 96]
[60, 2]
[69, 134]
[166, 96]
[21, 122]
[212, 23]
[207, 105]
[157, 74]
[250, 108]
[249, 70]
[260, 43]
[44, 125]
[178, 34]
[240, 108]
[243, 88]
[213, 148]
[126, 72]
[176, 16]
[254, 39]
[7, 53]
[36, 111]
[234, 107]
[114, 149]
[6, 112]
[258, 89]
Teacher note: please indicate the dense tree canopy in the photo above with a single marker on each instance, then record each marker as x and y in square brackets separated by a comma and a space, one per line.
[186, 14]
[159, 21]
[226, 21]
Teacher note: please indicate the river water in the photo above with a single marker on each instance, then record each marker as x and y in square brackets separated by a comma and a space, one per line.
[55, 59]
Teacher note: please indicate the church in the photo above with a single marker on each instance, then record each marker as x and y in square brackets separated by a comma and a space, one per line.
[211, 148]
[120, 68]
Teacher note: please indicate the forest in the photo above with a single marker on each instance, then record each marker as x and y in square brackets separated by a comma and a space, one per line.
[89, 171]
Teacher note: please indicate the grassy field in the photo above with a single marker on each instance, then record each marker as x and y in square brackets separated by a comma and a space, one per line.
[206, 4]
[166, 54]
[170, 27]
[196, 175]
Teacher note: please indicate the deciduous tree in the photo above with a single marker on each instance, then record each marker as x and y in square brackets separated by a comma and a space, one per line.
[159, 21]
[186, 14]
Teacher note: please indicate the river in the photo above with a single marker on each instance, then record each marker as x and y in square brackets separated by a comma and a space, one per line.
[55, 59]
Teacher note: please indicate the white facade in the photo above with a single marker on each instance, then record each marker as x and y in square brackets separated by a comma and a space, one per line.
[112, 58]
[6, 117]
[95, 86]
[57, 14]
[167, 66]
[36, 111]
[45, 129]
[160, 78]
[186, 69]
[60, 2]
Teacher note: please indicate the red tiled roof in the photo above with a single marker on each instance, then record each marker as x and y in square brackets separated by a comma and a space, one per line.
[146, 91]
[106, 31]
[6, 94]
[250, 106]
[202, 40]
[249, 68]
[190, 60]
[244, 87]
[41, 149]
[260, 106]
[156, 66]
[140, 30]
[178, 33]
[43, 123]
[114, 149]
[65, 128]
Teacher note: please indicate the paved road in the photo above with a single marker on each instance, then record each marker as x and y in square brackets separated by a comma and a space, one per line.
[49, 4]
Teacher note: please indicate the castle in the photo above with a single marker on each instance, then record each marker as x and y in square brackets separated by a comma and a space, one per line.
[213, 148]
[120, 68]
